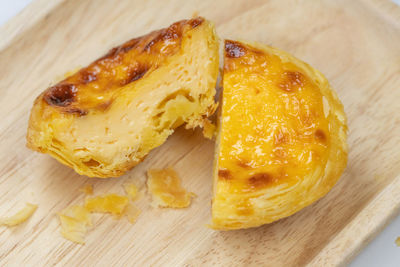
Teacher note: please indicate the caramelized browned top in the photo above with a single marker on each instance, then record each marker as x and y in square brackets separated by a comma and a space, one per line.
[93, 87]
[274, 130]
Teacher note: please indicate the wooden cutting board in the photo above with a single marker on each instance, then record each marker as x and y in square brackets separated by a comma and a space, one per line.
[356, 44]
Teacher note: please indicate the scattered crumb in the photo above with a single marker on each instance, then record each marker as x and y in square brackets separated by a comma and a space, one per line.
[78, 212]
[164, 185]
[166, 190]
[398, 241]
[72, 229]
[87, 189]
[112, 203]
[75, 221]
[131, 190]
[208, 129]
[132, 213]
[19, 217]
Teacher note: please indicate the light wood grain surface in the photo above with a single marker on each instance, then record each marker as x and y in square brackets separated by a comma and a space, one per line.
[356, 44]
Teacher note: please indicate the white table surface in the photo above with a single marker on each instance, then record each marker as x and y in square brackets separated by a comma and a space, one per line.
[381, 252]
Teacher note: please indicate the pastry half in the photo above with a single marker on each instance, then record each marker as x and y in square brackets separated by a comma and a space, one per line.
[281, 141]
[104, 119]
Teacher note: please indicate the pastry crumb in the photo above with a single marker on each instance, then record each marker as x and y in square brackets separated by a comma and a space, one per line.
[87, 189]
[19, 217]
[75, 221]
[208, 130]
[166, 189]
[112, 203]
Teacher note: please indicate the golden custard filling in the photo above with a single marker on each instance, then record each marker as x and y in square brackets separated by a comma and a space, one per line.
[281, 141]
[274, 128]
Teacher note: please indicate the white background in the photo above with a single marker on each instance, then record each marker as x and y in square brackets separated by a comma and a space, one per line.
[382, 252]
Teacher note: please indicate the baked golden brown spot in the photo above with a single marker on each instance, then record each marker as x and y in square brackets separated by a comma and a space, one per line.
[234, 49]
[61, 95]
[224, 174]
[260, 180]
[320, 135]
[282, 148]
[122, 65]
[292, 80]
[105, 118]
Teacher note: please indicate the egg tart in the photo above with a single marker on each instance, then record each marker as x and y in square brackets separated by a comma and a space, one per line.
[104, 119]
[281, 141]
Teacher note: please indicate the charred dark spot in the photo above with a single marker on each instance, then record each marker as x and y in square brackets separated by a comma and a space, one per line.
[87, 77]
[61, 95]
[295, 77]
[77, 111]
[260, 180]
[292, 80]
[224, 174]
[320, 135]
[130, 45]
[151, 43]
[196, 22]
[234, 49]
[135, 74]
[171, 33]
[126, 47]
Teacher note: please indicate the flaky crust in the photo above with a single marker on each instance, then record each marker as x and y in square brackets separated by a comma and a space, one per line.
[261, 197]
[105, 118]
